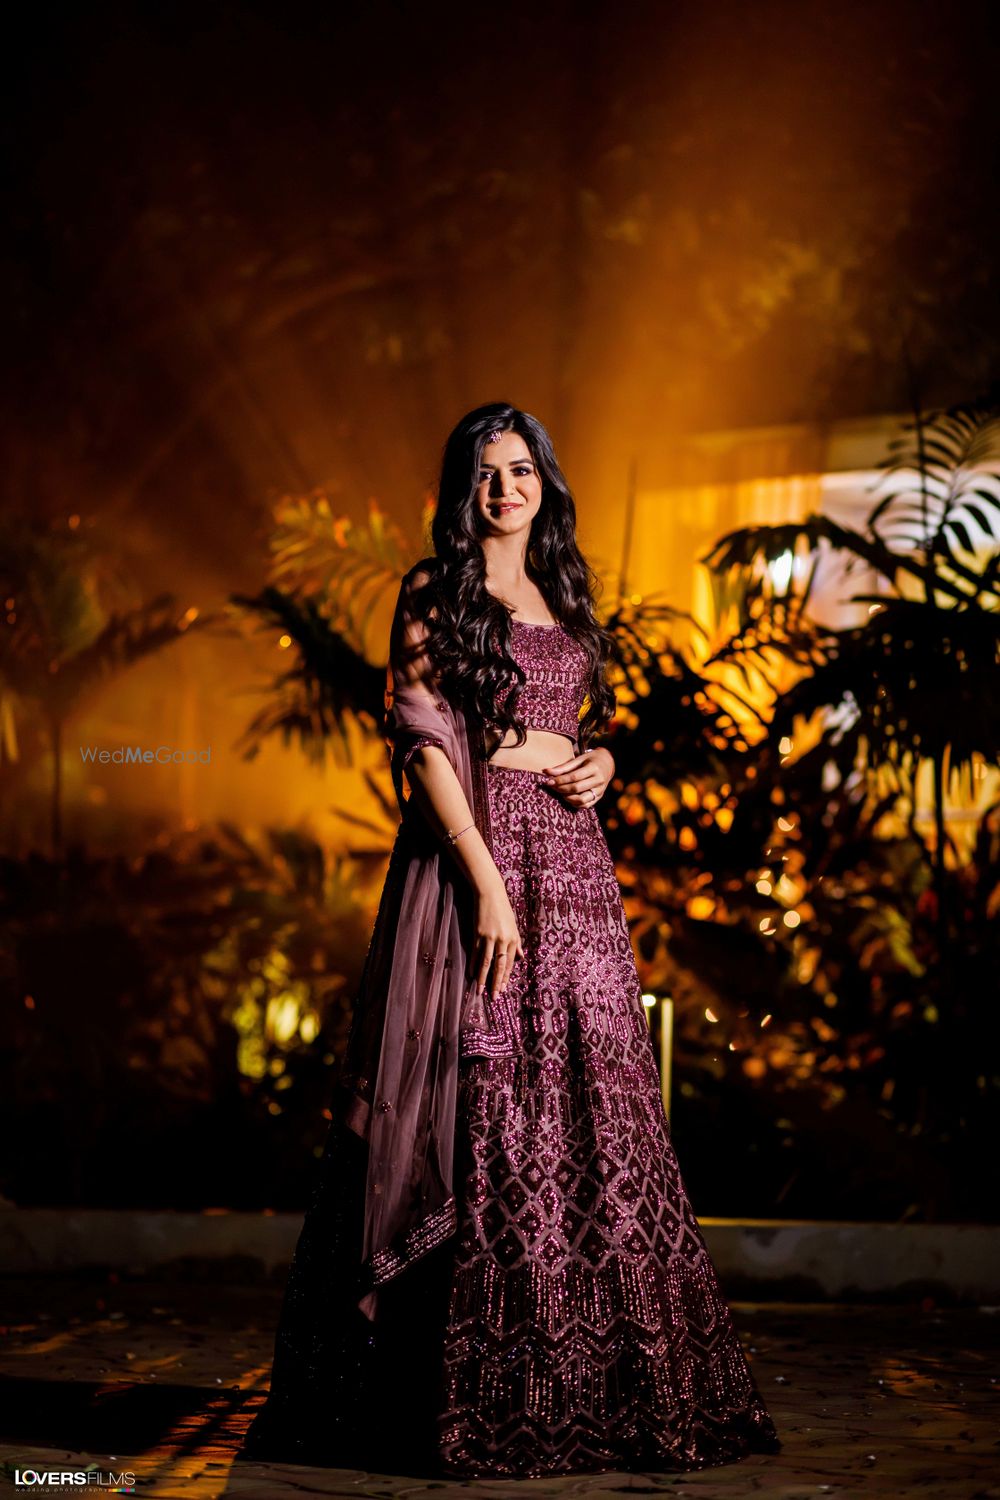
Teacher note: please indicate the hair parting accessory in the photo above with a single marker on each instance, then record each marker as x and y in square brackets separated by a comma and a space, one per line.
[494, 436]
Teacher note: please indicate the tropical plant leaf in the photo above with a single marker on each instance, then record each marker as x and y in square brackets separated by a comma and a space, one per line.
[940, 460]
[349, 568]
[328, 683]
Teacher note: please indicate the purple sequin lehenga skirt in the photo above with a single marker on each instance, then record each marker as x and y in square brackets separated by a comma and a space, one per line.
[575, 1323]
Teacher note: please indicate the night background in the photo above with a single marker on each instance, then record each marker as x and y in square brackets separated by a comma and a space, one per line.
[259, 249]
[741, 261]
[258, 260]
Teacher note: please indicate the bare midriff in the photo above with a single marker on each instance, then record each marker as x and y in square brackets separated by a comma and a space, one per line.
[541, 751]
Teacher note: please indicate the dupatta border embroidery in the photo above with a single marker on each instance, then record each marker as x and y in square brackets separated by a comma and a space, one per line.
[414, 1243]
[475, 734]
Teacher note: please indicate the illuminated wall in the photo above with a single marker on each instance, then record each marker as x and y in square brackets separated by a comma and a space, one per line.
[765, 476]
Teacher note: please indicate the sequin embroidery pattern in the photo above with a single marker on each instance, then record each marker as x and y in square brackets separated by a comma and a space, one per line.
[573, 1321]
[555, 667]
[586, 1328]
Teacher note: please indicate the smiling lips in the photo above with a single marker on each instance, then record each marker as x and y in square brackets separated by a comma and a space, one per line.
[505, 506]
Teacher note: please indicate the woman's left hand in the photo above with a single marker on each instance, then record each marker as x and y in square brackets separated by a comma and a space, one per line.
[582, 780]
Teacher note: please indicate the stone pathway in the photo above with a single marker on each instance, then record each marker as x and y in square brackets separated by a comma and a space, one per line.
[161, 1378]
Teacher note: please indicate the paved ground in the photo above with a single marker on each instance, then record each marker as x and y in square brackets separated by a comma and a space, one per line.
[163, 1377]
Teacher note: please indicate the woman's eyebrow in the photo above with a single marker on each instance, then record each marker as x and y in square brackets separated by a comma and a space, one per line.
[512, 462]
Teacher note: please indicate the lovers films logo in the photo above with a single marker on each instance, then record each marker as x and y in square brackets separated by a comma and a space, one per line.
[45, 1479]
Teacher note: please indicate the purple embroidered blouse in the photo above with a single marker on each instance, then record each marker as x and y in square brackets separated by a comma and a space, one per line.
[555, 667]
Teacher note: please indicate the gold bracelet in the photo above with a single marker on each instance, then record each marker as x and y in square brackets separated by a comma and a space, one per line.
[450, 837]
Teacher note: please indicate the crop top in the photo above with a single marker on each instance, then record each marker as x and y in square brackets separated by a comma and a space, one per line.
[556, 670]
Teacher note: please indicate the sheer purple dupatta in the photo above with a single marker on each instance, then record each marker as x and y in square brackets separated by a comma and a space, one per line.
[416, 1012]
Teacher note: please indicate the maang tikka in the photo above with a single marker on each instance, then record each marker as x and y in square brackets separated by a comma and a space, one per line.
[495, 436]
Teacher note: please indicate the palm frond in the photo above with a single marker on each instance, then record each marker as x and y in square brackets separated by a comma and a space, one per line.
[126, 638]
[348, 568]
[328, 683]
[942, 497]
[912, 677]
[745, 552]
[679, 721]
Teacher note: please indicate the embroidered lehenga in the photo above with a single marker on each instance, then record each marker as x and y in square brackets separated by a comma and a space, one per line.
[500, 1273]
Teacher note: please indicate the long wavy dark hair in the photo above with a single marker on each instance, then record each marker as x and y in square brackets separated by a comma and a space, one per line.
[468, 629]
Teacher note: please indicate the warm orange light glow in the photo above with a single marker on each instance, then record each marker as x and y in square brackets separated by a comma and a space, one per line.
[711, 1016]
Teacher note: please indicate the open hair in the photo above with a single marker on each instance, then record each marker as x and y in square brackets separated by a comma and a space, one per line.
[468, 630]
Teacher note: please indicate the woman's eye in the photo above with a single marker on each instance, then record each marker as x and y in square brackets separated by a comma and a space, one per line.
[485, 475]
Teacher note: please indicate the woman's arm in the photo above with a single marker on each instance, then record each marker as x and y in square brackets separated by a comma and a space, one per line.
[440, 798]
[438, 794]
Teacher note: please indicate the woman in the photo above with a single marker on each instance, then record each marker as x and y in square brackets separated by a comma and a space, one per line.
[500, 1272]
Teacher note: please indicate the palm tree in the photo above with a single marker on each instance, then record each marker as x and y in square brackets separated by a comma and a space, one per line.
[755, 887]
[328, 579]
[910, 684]
[59, 642]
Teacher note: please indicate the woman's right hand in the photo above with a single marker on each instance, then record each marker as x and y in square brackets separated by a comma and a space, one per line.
[497, 940]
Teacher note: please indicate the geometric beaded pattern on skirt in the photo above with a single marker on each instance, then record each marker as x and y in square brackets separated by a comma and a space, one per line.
[575, 1321]
[586, 1328]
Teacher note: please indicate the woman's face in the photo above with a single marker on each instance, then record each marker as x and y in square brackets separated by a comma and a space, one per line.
[509, 492]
